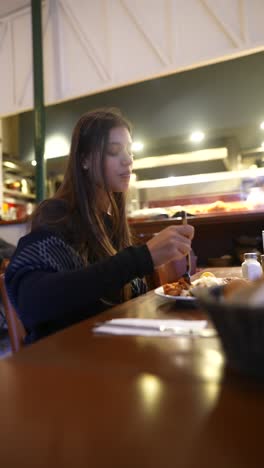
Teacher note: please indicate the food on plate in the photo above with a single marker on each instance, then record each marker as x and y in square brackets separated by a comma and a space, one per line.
[206, 280]
[245, 293]
[207, 274]
[232, 287]
[148, 213]
[219, 205]
[178, 288]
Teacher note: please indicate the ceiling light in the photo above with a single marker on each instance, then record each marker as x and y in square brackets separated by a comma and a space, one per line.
[262, 144]
[197, 136]
[10, 165]
[33, 163]
[56, 146]
[137, 146]
[262, 125]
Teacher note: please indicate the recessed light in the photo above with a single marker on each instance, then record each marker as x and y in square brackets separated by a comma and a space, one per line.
[197, 136]
[137, 146]
[9, 164]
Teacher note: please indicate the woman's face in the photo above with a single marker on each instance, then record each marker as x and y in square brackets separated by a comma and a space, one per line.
[118, 159]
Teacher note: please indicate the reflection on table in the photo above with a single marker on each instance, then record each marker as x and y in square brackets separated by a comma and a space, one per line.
[79, 399]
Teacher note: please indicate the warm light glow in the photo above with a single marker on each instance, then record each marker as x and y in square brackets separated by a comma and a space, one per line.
[150, 387]
[33, 163]
[137, 146]
[256, 196]
[24, 186]
[262, 125]
[211, 390]
[9, 164]
[133, 179]
[212, 365]
[197, 136]
[262, 144]
[56, 146]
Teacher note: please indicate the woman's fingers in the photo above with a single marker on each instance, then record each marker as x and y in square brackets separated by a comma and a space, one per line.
[170, 243]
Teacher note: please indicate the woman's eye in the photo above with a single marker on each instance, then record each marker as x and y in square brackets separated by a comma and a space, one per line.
[115, 149]
[113, 153]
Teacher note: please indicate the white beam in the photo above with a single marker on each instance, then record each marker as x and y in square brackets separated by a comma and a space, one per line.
[214, 12]
[84, 40]
[243, 21]
[140, 26]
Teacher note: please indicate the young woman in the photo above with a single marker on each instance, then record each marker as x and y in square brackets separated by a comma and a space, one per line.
[78, 258]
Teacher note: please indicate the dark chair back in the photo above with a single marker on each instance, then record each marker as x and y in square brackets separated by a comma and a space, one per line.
[16, 329]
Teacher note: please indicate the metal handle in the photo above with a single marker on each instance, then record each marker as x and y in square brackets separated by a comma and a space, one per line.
[188, 256]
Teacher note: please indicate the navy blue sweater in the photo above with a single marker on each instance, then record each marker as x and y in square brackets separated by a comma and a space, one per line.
[51, 288]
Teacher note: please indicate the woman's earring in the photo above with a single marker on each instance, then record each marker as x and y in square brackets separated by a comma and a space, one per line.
[85, 164]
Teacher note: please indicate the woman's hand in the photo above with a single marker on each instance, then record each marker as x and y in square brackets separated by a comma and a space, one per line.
[171, 243]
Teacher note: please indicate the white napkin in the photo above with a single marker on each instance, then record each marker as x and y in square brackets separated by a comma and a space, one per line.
[150, 327]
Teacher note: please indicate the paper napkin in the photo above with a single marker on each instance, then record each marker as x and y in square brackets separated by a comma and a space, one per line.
[150, 327]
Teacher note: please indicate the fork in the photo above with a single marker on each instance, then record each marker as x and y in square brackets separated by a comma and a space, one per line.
[187, 275]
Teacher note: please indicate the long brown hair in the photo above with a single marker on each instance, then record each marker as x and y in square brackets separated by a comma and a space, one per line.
[90, 235]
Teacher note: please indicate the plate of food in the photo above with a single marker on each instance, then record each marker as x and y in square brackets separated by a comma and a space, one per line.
[181, 290]
[160, 292]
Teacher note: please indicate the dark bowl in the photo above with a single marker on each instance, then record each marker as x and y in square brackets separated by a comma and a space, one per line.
[240, 328]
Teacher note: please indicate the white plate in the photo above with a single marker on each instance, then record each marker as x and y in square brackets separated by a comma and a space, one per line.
[159, 291]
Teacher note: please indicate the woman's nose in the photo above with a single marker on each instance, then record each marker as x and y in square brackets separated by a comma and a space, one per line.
[127, 158]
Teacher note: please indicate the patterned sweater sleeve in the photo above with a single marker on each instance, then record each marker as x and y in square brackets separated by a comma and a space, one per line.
[46, 278]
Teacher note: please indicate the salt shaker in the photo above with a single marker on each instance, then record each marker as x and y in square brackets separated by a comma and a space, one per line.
[251, 268]
[262, 262]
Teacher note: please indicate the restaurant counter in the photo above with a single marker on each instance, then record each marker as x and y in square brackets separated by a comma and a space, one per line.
[216, 234]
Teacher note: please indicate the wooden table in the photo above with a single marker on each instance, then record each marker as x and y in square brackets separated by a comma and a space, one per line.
[76, 399]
